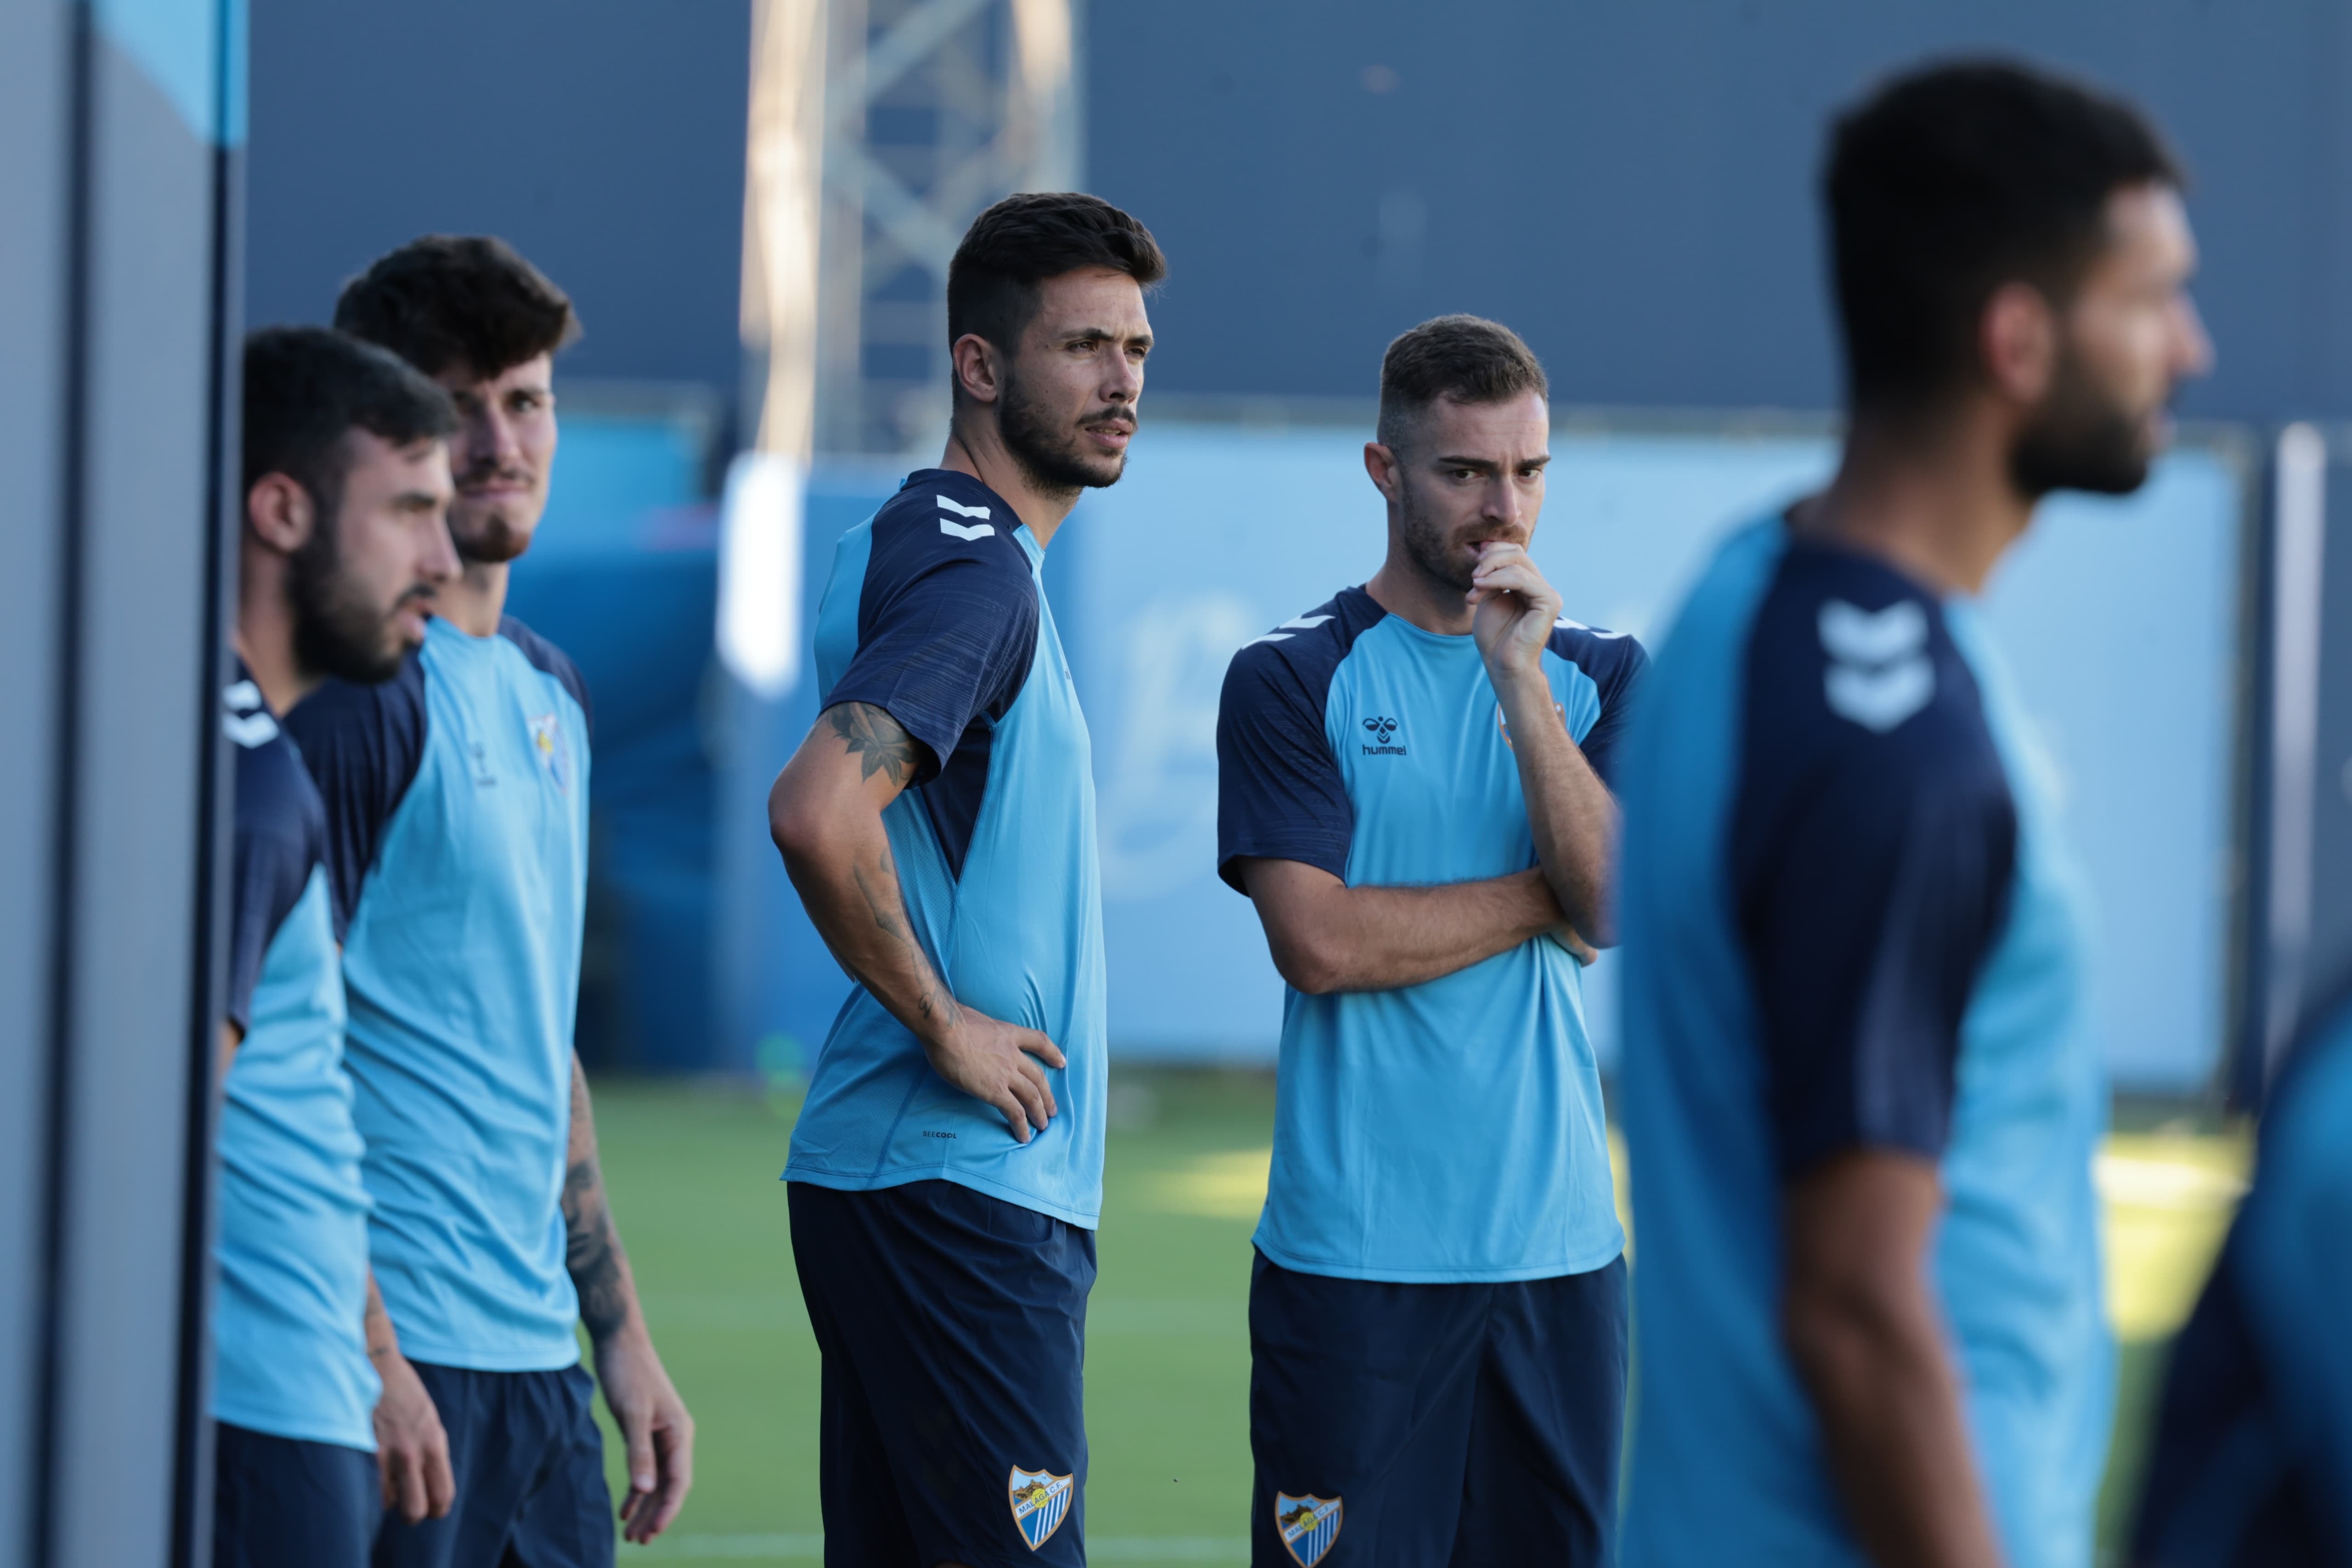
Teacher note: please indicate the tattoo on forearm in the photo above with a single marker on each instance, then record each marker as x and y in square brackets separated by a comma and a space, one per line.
[884, 906]
[592, 1245]
[879, 743]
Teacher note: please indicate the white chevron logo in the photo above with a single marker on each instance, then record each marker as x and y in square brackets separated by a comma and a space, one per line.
[1859, 636]
[1284, 631]
[946, 505]
[977, 531]
[1879, 700]
[250, 729]
[1564, 624]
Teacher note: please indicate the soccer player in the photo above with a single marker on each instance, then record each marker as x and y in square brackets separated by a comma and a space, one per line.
[2250, 1466]
[1861, 1086]
[457, 805]
[939, 822]
[1412, 789]
[343, 543]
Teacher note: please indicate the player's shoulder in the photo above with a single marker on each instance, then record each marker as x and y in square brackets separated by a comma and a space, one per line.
[1310, 646]
[277, 800]
[1610, 658]
[1849, 658]
[343, 721]
[941, 518]
[546, 657]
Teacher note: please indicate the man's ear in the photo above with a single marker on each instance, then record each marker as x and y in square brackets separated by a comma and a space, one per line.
[280, 512]
[2018, 342]
[978, 374]
[1381, 463]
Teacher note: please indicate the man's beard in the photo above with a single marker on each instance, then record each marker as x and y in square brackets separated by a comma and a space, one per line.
[2080, 439]
[1051, 457]
[337, 633]
[489, 541]
[1425, 544]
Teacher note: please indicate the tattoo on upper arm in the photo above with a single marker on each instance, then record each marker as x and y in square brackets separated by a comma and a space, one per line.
[880, 743]
[592, 1245]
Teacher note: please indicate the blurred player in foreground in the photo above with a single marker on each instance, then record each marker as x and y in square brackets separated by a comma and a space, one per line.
[1861, 1088]
[2252, 1462]
[1412, 789]
[342, 541]
[457, 801]
[939, 822]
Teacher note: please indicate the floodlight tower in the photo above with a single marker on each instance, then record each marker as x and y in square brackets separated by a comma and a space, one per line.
[934, 109]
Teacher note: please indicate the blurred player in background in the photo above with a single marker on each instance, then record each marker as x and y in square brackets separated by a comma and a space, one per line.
[939, 822]
[1861, 1088]
[2250, 1466]
[342, 542]
[458, 804]
[1412, 787]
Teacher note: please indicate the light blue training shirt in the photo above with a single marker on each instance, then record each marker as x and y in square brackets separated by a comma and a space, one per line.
[457, 807]
[290, 1356]
[1449, 1131]
[1850, 922]
[936, 612]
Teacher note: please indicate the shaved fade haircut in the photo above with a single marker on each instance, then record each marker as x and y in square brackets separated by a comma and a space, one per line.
[308, 388]
[996, 282]
[1462, 359]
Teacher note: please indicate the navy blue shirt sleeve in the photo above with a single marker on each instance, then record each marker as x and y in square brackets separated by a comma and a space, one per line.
[364, 745]
[277, 840]
[550, 660]
[1616, 664]
[947, 624]
[1280, 796]
[1872, 847]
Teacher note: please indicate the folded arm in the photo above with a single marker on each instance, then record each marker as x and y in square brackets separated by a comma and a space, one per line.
[1327, 936]
[826, 814]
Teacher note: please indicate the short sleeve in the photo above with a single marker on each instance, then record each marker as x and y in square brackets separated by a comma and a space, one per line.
[1279, 793]
[943, 638]
[1866, 922]
[270, 868]
[364, 745]
[1617, 664]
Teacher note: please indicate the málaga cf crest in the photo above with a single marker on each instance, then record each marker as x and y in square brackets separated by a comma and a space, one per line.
[1307, 1525]
[1040, 1503]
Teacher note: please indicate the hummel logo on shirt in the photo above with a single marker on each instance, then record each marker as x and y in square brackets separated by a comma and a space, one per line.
[1879, 673]
[1382, 731]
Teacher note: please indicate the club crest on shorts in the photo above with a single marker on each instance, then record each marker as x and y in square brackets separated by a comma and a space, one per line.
[1040, 1503]
[1307, 1525]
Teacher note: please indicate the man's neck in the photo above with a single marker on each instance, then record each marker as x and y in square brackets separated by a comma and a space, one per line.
[267, 650]
[975, 447]
[1408, 593]
[1937, 501]
[476, 601]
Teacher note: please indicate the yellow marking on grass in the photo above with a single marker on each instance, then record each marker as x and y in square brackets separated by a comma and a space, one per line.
[2168, 1199]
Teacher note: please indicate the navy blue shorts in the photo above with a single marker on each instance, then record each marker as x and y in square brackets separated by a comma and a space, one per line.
[530, 1465]
[280, 1502]
[1409, 1426]
[952, 1326]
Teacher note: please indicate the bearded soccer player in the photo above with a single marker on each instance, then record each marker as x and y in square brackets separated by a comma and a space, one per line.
[939, 822]
[342, 544]
[458, 802]
[1861, 1086]
[1413, 790]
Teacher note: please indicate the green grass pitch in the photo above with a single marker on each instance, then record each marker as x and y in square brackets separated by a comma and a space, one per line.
[693, 1175]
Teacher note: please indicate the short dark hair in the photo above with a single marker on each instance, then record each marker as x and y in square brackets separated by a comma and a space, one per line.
[306, 388]
[464, 300]
[995, 283]
[1466, 359]
[1950, 182]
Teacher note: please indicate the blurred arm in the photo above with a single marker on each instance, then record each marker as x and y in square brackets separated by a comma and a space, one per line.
[1327, 936]
[1861, 1327]
[412, 1446]
[825, 815]
[658, 1431]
